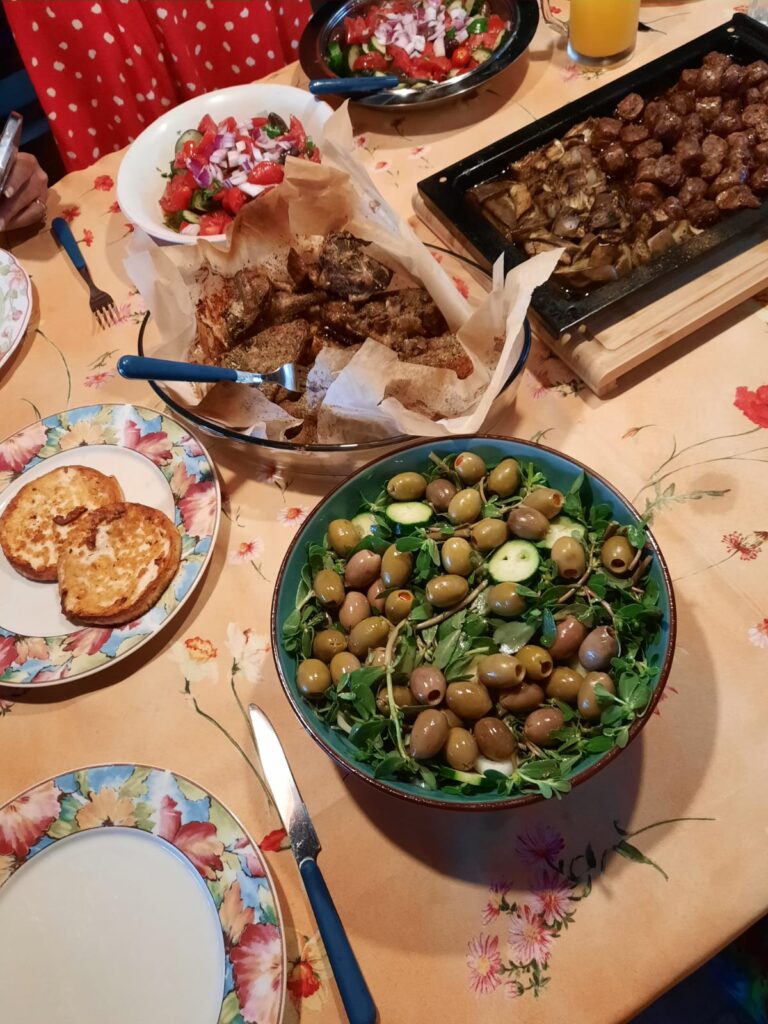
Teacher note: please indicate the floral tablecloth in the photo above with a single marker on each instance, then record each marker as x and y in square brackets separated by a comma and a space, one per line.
[581, 910]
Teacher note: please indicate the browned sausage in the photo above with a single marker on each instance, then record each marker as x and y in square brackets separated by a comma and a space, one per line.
[709, 81]
[752, 95]
[732, 106]
[674, 208]
[702, 213]
[689, 79]
[725, 123]
[691, 190]
[693, 124]
[734, 79]
[738, 197]
[613, 158]
[644, 197]
[653, 111]
[761, 153]
[668, 127]
[715, 59]
[632, 134]
[710, 169]
[754, 114]
[648, 170]
[714, 148]
[669, 173]
[757, 72]
[688, 152]
[631, 107]
[682, 102]
[758, 182]
[606, 130]
[645, 149]
[708, 107]
[727, 179]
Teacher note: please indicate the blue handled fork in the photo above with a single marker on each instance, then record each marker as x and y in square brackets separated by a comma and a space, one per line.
[289, 376]
[102, 304]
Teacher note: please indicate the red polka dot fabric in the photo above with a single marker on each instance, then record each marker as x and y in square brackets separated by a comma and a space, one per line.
[105, 70]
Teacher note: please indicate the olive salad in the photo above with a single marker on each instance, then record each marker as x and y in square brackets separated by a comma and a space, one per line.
[474, 630]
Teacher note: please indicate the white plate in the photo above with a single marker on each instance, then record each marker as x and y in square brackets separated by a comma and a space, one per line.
[139, 185]
[15, 304]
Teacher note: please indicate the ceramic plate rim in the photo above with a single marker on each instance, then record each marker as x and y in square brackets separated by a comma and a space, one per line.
[4, 357]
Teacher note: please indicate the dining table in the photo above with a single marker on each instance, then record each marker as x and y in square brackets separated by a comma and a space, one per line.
[582, 909]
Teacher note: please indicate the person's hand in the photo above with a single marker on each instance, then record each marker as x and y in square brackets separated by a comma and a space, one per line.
[24, 197]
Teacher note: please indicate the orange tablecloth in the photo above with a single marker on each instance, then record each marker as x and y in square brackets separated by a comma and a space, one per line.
[426, 896]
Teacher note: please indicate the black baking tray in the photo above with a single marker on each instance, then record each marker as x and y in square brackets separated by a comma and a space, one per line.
[445, 193]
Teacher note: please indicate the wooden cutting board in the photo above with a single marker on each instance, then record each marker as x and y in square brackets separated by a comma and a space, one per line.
[642, 326]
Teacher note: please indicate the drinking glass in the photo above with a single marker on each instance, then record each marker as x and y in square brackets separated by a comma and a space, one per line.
[599, 31]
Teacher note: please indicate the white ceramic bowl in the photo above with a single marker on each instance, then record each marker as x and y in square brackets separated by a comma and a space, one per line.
[139, 184]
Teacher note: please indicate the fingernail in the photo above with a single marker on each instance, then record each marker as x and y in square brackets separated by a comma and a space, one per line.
[9, 192]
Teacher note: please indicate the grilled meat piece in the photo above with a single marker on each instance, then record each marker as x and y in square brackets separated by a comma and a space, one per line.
[284, 307]
[301, 268]
[390, 318]
[228, 309]
[702, 213]
[691, 190]
[737, 197]
[632, 134]
[733, 80]
[348, 271]
[445, 352]
[270, 348]
[631, 107]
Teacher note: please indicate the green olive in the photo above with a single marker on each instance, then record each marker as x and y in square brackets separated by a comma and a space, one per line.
[371, 632]
[540, 725]
[362, 569]
[354, 609]
[503, 600]
[402, 695]
[446, 591]
[468, 700]
[504, 480]
[617, 555]
[428, 735]
[342, 664]
[522, 699]
[568, 636]
[500, 670]
[545, 500]
[328, 588]
[465, 507]
[407, 487]
[494, 739]
[396, 567]
[453, 720]
[536, 661]
[428, 685]
[343, 537]
[377, 657]
[456, 556]
[461, 750]
[313, 677]
[373, 595]
[527, 523]
[470, 467]
[570, 557]
[439, 493]
[398, 605]
[589, 704]
[489, 534]
[327, 643]
[598, 648]
[564, 684]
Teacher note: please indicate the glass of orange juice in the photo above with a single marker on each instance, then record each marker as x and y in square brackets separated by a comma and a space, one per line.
[599, 31]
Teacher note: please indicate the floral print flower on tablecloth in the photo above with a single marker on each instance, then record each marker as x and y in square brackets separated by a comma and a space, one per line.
[99, 378]
[292, 516]
[484, 963]
[758, 635]
[248, 650]
[308, 974]
[197, 659]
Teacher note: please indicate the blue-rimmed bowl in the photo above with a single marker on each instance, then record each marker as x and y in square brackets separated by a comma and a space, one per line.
[344, 502]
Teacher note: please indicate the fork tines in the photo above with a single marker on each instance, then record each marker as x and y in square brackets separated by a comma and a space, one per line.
[105, 311]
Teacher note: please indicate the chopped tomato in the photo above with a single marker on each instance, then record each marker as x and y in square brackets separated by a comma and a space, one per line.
[229, 124]
[357, 30]
[400, 60]
[206, 145]
[425, 69]
[177, 195]
[370, 62]
[186, 151]
[495, 23]
[297, 135]
[232, 199]
[214, 223]
[314, 156]
[266, 173]
[207, 125]
[259, 122]
[461, 57]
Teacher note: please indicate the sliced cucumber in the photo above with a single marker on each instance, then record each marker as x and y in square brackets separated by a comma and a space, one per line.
[454, 72]
[376, 44]
[562, 527]
[365, 524]
[515, 561]
[190, 217]
[481, 55]
[353, 53]
[335, 58]
[193, 135]
[501, 38]
[409, 513]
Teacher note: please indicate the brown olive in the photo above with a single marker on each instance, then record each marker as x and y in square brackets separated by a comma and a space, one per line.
[428, 735]
[598, 648]
[328, 588]
[456, 556]
[545, 500]
[342, 664]
[407, 487]
[371, 632]
[446, 591]
[540, 725]
[328, 642]
[468, 700]
[470, 467]
[427, 684]
[564, 684]
[504, 480]
[402, 695]
[568, 636]
[453, 720]
[362, 569]
[343, 537]
[398, 605]
[523, 698]
[377, 657]
[500, 670]
[374, 600]
[439, 493]
[396, 567]
[313, 677]
[617, 555]
[570, 558]
[461, 750]
[589, 704]
[465, 506]
[354, 609]
[494, 739]
[527, 523]
[503, 600]
[536, 661]
[489, 534]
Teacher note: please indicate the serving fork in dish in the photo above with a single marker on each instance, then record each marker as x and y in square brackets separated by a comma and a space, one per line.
[290, 376]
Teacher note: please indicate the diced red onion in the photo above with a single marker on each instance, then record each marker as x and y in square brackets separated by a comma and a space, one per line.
[238, 177]
[189, 229]
[251, 190]
[218, 156]
[240, 146]
[462, 35]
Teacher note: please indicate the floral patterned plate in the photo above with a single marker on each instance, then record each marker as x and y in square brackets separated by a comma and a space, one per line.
[143, 898]
[157, 462]
[15, 304]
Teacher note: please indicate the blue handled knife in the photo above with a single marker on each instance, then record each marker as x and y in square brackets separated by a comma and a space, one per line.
[306, 846]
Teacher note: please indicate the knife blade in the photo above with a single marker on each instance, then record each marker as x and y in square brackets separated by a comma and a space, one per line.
[306, 846]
